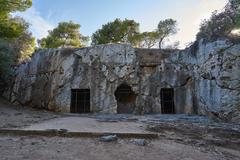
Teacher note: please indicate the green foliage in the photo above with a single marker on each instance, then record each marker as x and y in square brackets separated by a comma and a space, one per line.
[166, 28]
[126, 31]
[237, 25]
[5, 59]
[7, 6]
[149, 39]
[66, 34]
[10, 27]
[221, 24]
[24, 45]
[12, 31]
[235, 5]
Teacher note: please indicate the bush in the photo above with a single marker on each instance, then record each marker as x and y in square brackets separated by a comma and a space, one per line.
[221, 24]
[5, 59]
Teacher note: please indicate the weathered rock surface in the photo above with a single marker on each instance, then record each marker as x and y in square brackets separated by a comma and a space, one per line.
[216, 71]
[205, 78]
[47, 80]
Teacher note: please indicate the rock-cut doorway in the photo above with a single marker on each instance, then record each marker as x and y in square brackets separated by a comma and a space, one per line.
[126, 99]
[167, 101]
[80, 101]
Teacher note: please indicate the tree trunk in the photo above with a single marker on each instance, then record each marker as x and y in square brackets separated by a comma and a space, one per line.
[161, 40]
[160, 44]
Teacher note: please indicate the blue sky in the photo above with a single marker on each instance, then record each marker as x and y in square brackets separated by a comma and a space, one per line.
[44, 15]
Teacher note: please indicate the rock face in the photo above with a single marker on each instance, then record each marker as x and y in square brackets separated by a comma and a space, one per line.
[216, 71]
[204, 79]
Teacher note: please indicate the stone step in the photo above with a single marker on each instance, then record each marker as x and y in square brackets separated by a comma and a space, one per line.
[65, 133]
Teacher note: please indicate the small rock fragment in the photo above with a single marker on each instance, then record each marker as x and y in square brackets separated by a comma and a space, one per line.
[108, 138]
[17, 114]
[63, 130]
[139, 142]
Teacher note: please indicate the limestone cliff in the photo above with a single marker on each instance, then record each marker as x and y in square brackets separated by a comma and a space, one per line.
[216, 70]
[205, 78]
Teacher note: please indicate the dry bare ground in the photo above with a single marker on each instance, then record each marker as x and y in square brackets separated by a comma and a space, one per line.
[43, 148]
[12, 116]
[168, 146]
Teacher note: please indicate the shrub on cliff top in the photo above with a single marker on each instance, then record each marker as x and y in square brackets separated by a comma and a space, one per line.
[221, 24]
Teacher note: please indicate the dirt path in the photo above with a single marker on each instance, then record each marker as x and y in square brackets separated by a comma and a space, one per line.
[12, 116]
[42, 148]
[169, 146]
[85, 124]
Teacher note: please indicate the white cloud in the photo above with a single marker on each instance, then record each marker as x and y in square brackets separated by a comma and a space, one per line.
[38, 25]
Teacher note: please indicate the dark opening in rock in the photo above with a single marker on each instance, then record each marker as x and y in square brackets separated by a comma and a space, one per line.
[80, 101]
[125, 99]
[167, 101]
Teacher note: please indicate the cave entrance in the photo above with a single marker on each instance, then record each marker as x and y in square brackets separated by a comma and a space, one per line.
[125, 99]
[80, 101]
[167, 101]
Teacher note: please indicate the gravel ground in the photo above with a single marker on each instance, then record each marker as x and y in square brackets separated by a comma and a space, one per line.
[42, 148]
[169, 146]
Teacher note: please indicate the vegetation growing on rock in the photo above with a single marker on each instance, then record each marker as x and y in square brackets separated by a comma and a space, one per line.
[124, 31]
[16, 42]
[221, 24]
[66, 34]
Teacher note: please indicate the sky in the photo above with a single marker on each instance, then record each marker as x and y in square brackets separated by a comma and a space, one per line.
[44, 15]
